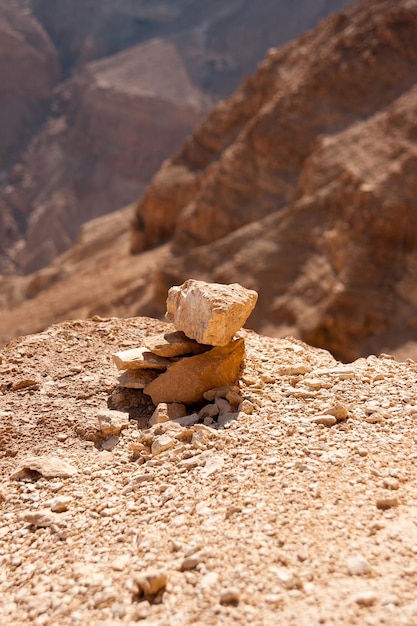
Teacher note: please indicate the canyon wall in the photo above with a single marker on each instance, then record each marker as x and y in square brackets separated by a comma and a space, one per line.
[135, 78]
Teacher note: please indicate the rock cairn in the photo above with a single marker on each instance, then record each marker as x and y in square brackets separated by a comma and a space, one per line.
[200, 360]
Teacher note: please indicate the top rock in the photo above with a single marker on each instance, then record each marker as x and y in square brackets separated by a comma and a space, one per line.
[210, 313]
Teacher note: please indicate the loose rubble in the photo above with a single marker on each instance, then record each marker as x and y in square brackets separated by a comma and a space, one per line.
[240, 509]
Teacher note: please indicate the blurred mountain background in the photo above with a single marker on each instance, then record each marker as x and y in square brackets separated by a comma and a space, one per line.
[297, 177]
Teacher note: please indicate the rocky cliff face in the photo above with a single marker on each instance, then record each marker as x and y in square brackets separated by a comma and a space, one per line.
[219, 41]
[117, 121]
[29, 70]
[138, 77]
[314, 155]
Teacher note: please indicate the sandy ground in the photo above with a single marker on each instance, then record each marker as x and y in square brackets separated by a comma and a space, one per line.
[273, 518]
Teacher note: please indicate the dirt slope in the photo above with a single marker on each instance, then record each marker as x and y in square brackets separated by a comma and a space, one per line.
[271, 519]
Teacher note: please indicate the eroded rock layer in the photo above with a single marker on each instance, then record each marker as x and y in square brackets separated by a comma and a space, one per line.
[300, 186]
[136, 77]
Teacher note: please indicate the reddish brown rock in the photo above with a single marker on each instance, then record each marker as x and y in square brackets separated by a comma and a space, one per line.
[319, 225]
[187, 380]
[249, 152]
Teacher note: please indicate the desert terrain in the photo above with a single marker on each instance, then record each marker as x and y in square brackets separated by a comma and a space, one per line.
[289, 496]
[280, 513]
[299, 185]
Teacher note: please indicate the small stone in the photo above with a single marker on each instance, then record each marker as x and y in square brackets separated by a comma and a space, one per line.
[46, 466]
[225, 419]
[220, 392]
[234, 398]
[120, 563]
[209, 580]
[391, 483]
[162, 443]
[362, 451]
[210, 410]
[112, 422]
[24, 383]
[210, 313]
[174, 344]
[150, 586]
[213, 464]
[188, 420]
[230, 597]
[170, 428]
[60, 504]
[339, 411]
[375, 418]
[137, 379]
[139, 358]
[138, 479]
[326, 420]
[223, 406]
[387, 502]
[358, 566]
[287, 577]
[295, 370]
[201, 437]
[167, 411]
[43, 518]
[366, 598]
[190, 562]
[246, 407]
[110, 443]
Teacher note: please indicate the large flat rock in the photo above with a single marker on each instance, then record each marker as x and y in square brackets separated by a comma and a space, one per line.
[188, 379]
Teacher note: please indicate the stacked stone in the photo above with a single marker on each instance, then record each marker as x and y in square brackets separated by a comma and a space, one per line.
[201, 359]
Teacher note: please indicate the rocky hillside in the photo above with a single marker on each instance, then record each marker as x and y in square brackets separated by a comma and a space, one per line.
[219, 41]
[29, 70]
[300, 186]
[135, 78]
[273, 517]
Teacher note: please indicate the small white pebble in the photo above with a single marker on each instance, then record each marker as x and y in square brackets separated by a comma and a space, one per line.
[326, 420]
[60, 504]
[358, 566]
[366, 598]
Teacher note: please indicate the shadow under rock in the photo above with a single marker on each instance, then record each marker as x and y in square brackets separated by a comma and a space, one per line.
[133, 401]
